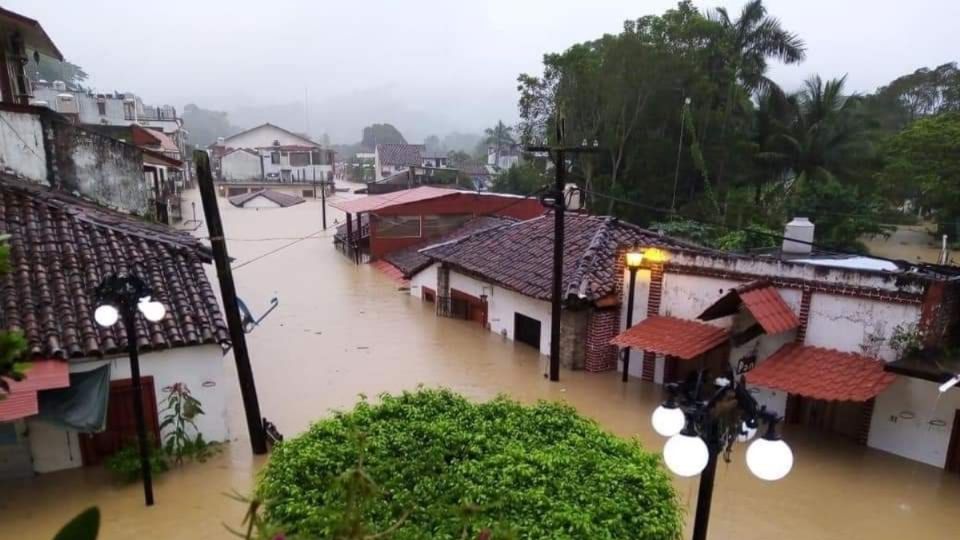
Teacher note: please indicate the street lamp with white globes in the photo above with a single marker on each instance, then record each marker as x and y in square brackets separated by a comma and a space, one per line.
[122, 296]
[703, 420]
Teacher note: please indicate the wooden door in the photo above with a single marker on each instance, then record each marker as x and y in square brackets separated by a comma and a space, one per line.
[953, 451]
[715, 361]
[838, 417]
[121, 427]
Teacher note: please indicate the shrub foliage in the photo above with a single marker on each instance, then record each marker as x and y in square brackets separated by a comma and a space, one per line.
[448, 468]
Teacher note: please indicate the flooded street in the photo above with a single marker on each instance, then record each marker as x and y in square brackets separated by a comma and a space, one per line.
[341, 330]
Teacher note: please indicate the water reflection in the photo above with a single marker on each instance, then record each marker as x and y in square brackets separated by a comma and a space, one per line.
[341, 330]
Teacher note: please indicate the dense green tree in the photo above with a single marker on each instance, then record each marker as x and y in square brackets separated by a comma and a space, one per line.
[50, 69]
[524, 179]
[922, 165]
[381, 134]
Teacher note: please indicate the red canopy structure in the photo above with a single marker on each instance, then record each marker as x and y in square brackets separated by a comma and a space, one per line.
[819, 373]
[672, 336]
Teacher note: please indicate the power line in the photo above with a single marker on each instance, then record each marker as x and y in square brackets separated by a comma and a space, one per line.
[274, 251]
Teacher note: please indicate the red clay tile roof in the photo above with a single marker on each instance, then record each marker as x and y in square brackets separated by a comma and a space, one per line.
[519, 256]
[410, 261]
[825, 374]
[283, 200]
[62, 246]
[671, 336]
[404, 155]
[762, 301]
[390, 271]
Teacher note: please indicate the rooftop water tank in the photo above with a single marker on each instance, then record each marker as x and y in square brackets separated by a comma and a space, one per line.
[801, 229]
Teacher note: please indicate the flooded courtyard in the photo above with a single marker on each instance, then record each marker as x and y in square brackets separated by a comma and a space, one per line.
[341, 330]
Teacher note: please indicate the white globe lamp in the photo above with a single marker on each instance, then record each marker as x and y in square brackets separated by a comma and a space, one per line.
[668, 420]
[106, 315]
[686, 454]
[152, 310]
[769, 458]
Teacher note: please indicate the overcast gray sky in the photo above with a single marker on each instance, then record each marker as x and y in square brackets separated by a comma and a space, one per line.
[452, 63]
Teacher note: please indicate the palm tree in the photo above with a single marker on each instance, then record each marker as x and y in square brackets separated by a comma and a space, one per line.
[744, 46]
[499, 135]
[752, 39]
[825, 140]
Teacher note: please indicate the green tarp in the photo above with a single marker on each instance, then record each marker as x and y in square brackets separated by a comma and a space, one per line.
[82, 406]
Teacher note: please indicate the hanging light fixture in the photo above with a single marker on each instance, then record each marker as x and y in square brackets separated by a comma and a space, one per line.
[769, 458]
[685, 453]
[668, 419]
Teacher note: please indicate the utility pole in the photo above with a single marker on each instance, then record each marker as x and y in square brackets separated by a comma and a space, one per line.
[555, 199]
[323, 202]
[248, 389]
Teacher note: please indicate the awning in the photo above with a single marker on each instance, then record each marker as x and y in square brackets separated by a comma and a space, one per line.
[936, 366]
[819, 373]
[671, 336]
[21, 401]
[762, 300]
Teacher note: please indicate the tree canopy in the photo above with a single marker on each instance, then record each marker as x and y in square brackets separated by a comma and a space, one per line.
[381, 134]
[691, 127]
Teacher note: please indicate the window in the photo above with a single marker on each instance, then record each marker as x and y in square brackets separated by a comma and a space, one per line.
[317, 158]
[299, 159]
[275, 158]
[307, 193]
[438, 225]
[398, 227]
[101, 107]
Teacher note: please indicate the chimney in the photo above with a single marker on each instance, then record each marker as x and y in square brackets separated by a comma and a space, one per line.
[800, 228]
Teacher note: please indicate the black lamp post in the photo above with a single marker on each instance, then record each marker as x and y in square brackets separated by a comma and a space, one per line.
[634, 258]
[703, 423]
[121, 297]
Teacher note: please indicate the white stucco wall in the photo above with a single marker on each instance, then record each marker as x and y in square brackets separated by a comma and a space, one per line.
[263, 136]
[201, 368]
[241, 165]
[502, 303]
[901, 420]
[857, 325]
[424, 278]
[21, 145]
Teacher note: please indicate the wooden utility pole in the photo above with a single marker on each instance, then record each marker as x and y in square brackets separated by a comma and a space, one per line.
[228, 291]
[557, 201]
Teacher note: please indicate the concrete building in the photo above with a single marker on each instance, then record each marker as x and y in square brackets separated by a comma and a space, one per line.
[501, 277]
[853, 346]
[45, 430]
[267, 155]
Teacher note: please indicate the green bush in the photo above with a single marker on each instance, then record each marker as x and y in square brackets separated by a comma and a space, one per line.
[444, 467]
[125, 464]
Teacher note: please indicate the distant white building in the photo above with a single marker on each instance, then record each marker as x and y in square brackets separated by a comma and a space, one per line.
[507, 156]
[271, 154]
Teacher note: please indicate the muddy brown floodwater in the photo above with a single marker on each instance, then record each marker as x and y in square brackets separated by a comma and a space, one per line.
[342, 330]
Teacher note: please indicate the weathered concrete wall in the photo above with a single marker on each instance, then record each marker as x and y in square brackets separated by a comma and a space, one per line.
[912, 419]
[103, 169]
[21, 145]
